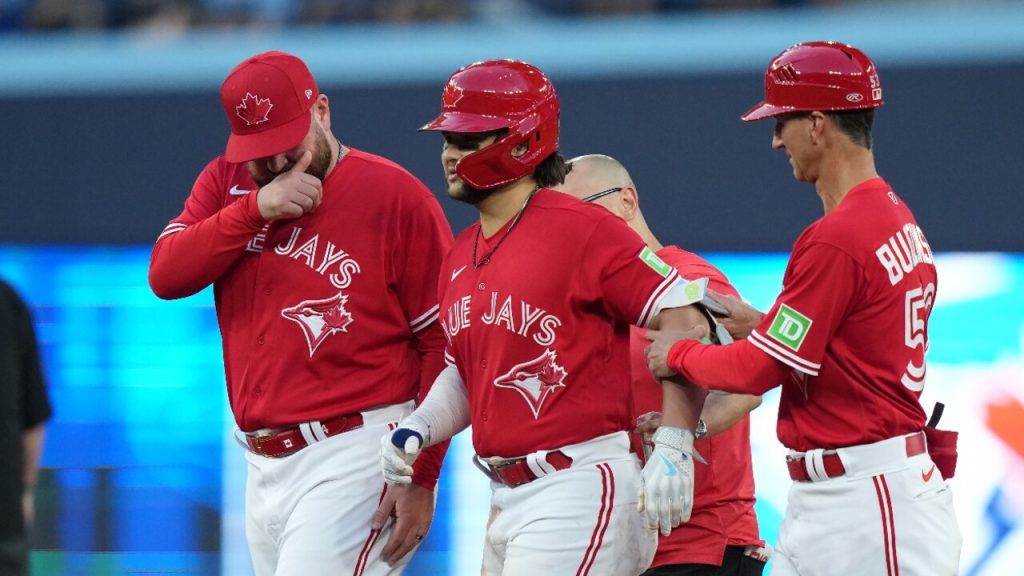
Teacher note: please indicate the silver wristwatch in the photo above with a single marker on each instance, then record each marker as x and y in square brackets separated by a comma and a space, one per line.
[701, 430]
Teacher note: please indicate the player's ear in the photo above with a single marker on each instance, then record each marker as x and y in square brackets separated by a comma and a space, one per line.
[629, 203]
[818, 120]
[322, 111]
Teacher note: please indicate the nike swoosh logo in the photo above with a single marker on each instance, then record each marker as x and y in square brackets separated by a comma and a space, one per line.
[236, 192]
[928, 476]
[455, 273]
[670, 468]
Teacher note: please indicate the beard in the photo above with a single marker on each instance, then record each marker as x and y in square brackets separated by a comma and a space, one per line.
[318, 165]
[465, 193]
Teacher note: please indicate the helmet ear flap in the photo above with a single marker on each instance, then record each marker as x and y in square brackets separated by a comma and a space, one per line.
[497, 164]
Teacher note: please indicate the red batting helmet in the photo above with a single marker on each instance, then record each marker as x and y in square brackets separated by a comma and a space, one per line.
[496, 94]
[818, 76]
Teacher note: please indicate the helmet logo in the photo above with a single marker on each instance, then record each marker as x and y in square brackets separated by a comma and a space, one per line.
[254, 110]
[854, 97]
[452, 96]
[876, 94]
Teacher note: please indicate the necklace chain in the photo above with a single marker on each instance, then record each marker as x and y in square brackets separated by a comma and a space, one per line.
[479, 232]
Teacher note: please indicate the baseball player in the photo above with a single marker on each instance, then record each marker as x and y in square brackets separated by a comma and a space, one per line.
[324, 261]
[536, 301]
[721, 537]
[846, 338]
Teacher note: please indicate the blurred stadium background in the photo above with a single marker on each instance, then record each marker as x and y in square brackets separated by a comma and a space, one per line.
[110, 109]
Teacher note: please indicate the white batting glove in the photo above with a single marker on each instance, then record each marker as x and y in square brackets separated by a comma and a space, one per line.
[666, 496]
[398, 450]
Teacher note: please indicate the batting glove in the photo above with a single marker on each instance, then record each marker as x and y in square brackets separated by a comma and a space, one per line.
[398, 450]
[666, 496]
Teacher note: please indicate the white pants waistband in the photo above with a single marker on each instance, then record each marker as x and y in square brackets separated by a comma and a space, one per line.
[868, 459]
[601, 449]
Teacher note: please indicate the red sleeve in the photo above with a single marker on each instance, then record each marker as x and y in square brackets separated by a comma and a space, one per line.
[425, 240]
[820, 283]
[430, 344]
[623, 274]
[739, 367]
[699, 268]
[204, 241]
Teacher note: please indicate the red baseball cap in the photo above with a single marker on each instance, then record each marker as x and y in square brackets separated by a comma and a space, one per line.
[267, 100]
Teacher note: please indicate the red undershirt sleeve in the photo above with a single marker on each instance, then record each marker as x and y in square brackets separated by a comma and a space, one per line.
[431, 343]
[739, 367]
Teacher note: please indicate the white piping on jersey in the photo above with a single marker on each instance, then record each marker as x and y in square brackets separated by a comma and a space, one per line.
[449, 359]
[425, 319]
[171, 229]
[781, 354]
[651, 308]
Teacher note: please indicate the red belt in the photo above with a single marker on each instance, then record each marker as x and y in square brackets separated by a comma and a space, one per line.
[517, 472]
[287, 441]
[834, 466]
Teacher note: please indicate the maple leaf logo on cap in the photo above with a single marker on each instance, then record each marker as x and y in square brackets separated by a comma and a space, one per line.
[254, 110]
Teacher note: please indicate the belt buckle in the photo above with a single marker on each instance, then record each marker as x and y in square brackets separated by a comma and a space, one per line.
[486, 468]
[503, 463]
[256, 439]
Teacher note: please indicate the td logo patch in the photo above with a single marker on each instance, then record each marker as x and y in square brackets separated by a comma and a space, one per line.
[790, 327]
[656, 264]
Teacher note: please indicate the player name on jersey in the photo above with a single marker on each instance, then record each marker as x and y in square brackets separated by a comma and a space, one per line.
[903, 251]
[526, 320]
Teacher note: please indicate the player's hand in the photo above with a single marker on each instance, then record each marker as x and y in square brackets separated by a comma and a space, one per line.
[666, 497]
[412, 507]
[292, 193]
[647, 423]
[742, 318]
[398, 450]
[661, 343]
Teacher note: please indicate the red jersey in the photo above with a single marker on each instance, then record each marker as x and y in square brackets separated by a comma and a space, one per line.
[540, 333]
[852, 320]
[328, 314]
[723, 500]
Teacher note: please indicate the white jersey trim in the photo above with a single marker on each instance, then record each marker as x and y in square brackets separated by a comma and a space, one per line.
[654, 303]
[172, 229]
[425, 319]
[449, 359]
[782, 355]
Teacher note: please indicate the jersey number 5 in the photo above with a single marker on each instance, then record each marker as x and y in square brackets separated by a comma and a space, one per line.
[918, 307]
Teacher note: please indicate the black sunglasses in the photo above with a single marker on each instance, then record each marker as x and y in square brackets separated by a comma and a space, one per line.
[601, 194]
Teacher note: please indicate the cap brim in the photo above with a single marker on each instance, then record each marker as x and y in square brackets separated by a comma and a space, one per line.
[246, 147]
[465, 122]
[762, 110]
